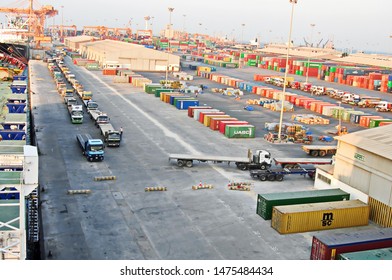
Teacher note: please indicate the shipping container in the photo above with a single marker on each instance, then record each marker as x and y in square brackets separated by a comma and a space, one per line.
[329, 246]
[184, 104]
[368, 255]
[265, 202]
[159, 92]
[240, 131]
[208, 118]
[320, 216]
[376, 122]
[174, 99]
[192, 108]
[203, 115]
[214, 125]
[222, 125]
[196, 112]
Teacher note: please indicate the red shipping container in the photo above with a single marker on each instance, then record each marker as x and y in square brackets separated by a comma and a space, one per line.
[329, 246]
[308, 102]
[384, 123]
[214, 125]
[192, 108]
[222, 125]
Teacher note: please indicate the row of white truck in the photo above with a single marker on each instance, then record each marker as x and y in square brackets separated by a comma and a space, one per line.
[110, 135]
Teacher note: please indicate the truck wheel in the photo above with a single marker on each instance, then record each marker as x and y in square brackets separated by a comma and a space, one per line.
[263, 167]
[263, 177]
[180, 163]
[322, 153]
[271, 177]
[279, 177]
[242, 166]
[189, 163]
[314, 153]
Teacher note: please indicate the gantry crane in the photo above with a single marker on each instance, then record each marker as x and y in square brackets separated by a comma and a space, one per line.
[35, 20]
[63, 29]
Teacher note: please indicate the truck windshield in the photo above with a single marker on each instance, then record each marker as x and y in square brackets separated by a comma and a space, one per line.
[96, 148]
[92, 106]
[114, 137]
[103, 119]
[77, 113]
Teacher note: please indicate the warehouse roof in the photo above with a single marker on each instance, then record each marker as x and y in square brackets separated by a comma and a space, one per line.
[368, 59]
[82, 38]
[306, 52]
[376, 140]
[113, 50]
[375, 60]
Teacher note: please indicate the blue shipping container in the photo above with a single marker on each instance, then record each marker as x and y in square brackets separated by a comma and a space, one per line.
[184, 104]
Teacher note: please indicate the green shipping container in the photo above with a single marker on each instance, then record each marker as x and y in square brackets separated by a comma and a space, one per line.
[368, 255]
[376, 123]
[177, 98]
[159, 90]
[265, 202]
[150, 88]
[240, 131]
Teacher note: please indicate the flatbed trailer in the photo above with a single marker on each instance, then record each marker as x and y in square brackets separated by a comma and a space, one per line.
[98, 117]
[296, 162]
[277, 174]
[319, 150]
[187, 160]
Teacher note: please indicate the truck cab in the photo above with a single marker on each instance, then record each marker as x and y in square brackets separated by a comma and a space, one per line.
[384, 106]
[93, 149]
[76, 112]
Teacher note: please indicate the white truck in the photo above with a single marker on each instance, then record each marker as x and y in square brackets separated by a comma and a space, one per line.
[384, 106]
[76, 113]
[99, 117]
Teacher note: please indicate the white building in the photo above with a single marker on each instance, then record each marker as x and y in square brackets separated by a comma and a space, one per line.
[363, 167]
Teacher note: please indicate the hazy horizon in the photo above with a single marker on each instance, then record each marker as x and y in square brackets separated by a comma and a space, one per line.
[349, 24]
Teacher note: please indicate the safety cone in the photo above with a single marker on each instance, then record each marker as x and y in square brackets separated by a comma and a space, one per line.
[200, 184]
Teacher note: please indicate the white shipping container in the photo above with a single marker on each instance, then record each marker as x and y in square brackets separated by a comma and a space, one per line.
[328, 110]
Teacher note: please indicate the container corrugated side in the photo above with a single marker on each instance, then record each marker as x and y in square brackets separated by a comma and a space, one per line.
[192, 108]
[320, 216]
[265, 202]
[327, 246]
[214, 125]
[240, 131]
[367, 255]
[208, 119]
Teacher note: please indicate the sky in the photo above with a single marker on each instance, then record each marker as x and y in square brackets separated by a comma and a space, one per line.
[350, 24]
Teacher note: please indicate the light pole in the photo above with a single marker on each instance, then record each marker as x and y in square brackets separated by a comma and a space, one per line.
[242, 33]
[184, 23]
[170, 16]
[198, 40]
[293, 2]
[340, 116]
[311, 39]
[62, 23]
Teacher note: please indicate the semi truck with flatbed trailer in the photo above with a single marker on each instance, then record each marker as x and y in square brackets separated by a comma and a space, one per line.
[92, 148]
[319, 150]
[261, 159]
[76, 113]
[111, 137]
[277, 174]
[90, 105]
[98, 117]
